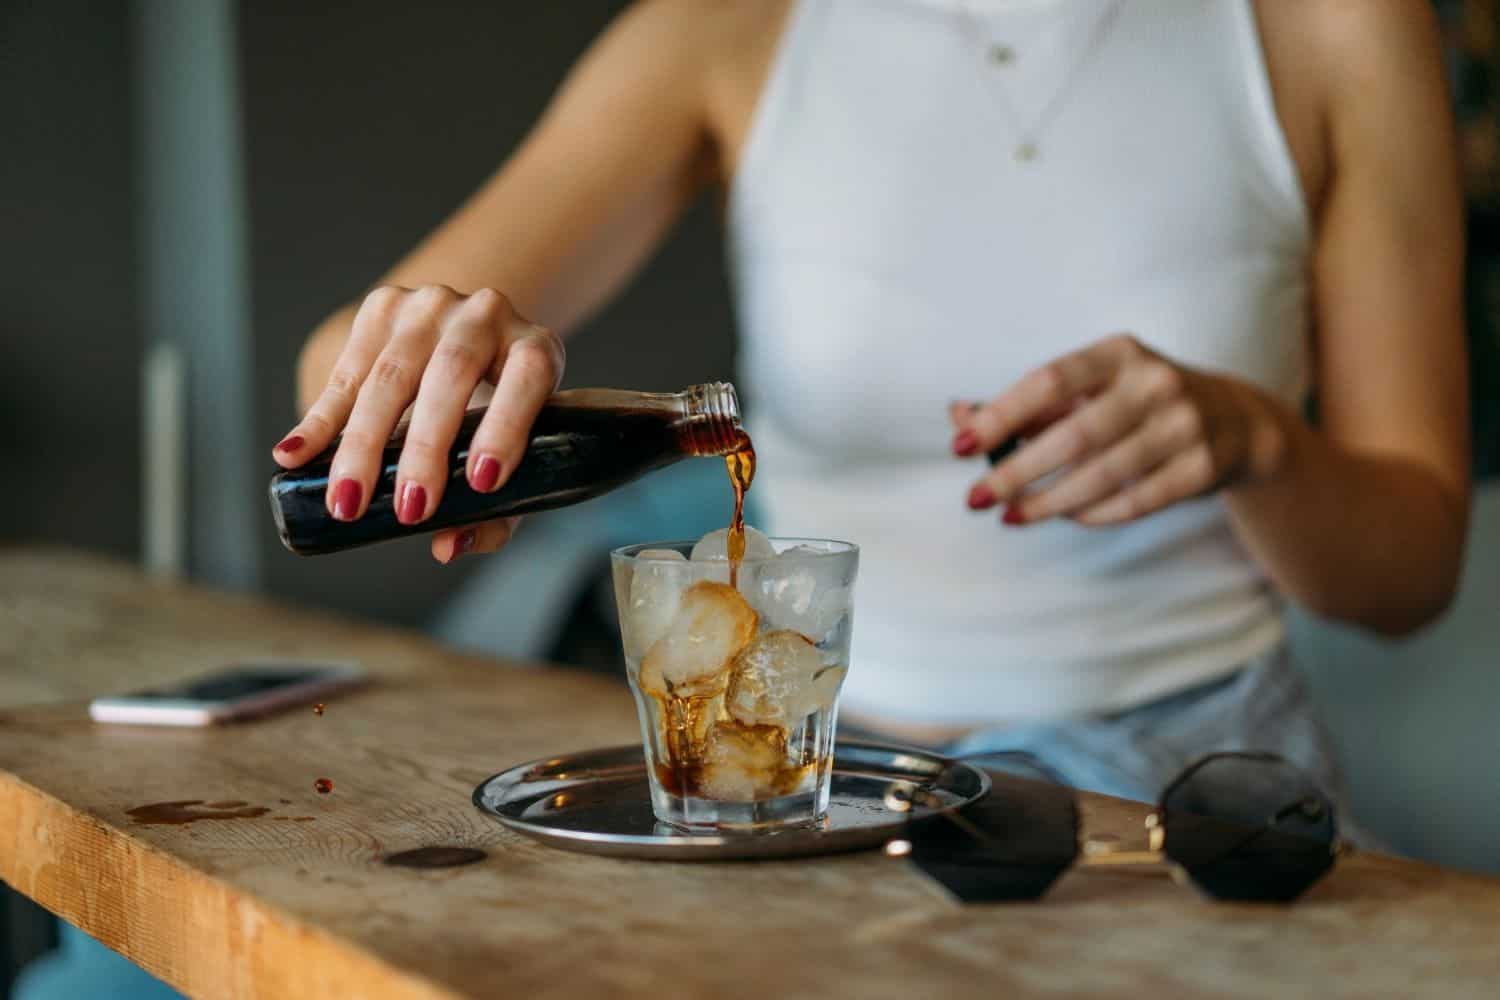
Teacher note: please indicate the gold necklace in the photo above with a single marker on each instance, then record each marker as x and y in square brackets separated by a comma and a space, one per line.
[997, 54]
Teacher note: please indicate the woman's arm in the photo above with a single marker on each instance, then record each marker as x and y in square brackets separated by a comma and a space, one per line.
[1364, 518]
[620, 152]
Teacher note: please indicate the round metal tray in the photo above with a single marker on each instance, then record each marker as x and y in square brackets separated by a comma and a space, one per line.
[597, 802]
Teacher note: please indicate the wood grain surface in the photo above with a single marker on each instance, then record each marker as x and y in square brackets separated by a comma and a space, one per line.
[297, 902]
[74, 626]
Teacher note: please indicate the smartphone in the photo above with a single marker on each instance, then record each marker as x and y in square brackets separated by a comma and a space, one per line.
[238, 692]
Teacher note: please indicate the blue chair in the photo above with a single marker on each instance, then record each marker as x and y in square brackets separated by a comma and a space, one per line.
[83, 969]
[1414, 720]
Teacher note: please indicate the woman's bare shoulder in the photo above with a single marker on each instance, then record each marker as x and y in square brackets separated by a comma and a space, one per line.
[720, 27]
[725, 44]
[1358, 39]
[1333, 62]
[736, 40]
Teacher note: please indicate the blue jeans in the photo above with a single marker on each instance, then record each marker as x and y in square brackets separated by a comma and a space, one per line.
[1134, 754]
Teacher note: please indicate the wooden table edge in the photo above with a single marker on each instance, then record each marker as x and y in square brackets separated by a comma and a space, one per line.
[136, 924]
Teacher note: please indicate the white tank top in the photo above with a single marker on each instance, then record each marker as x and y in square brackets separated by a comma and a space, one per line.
[891, 254]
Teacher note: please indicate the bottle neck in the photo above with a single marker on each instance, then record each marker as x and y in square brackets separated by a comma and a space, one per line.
[710, 419]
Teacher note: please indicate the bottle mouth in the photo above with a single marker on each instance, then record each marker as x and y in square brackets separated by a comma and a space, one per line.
[714, 419]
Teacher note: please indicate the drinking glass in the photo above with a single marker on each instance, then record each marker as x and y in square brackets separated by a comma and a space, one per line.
[736, 676]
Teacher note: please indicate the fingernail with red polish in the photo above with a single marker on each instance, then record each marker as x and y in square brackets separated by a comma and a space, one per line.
[486, 473]
[965, 443]
[981, 497]
[465, 543]
[1013, 516]
[290, 443]
[346, 497]
[413, 503]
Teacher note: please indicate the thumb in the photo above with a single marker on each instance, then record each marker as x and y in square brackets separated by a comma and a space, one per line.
[488, 536]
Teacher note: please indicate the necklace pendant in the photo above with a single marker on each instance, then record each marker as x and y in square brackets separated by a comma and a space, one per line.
[1026, 152]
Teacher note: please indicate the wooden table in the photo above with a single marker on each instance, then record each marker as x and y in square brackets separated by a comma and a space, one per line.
[297, 902]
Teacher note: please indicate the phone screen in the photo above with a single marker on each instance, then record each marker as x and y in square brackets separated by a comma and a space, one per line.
[237, 683]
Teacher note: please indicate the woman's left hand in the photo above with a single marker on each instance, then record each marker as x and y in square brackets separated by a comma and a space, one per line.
[1128, 431]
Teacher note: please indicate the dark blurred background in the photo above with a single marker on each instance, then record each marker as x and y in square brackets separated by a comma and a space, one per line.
[204, 180]
[354, 131]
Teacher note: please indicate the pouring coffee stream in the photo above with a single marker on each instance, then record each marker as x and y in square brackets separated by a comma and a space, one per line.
[741, 466]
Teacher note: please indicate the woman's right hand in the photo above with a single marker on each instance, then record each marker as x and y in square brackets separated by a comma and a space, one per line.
[429, 349]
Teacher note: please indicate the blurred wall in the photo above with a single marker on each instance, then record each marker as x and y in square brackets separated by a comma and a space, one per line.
[69, 312]
[365, 129]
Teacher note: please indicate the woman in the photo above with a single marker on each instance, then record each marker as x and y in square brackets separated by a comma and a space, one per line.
[1139, 237]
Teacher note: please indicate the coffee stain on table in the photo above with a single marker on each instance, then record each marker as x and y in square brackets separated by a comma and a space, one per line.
[183, 811]
[436, 857]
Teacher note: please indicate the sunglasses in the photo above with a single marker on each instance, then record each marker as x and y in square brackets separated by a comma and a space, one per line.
[1241, 827]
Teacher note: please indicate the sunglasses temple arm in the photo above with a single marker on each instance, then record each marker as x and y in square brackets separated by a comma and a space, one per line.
[1270, 825]
[1095, 857]
[1277, 817]
[1088, 859]
[953, 816]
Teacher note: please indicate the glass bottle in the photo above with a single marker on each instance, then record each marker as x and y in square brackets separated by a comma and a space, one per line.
[584, 443]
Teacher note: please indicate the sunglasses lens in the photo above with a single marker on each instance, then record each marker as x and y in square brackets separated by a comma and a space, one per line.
[1249, 827]
[1010, 845]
